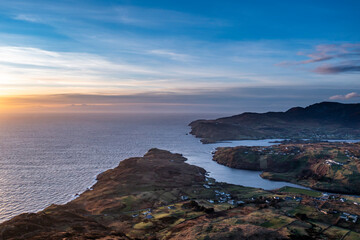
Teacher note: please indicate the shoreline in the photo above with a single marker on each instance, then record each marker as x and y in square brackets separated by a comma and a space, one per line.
[162, 196]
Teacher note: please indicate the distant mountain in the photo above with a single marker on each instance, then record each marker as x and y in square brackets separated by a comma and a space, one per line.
[325, 120]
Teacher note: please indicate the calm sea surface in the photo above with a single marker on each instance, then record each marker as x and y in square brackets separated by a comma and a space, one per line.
[48, 158]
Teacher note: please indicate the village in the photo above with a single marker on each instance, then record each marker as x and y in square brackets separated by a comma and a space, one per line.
[298, 149]
[325, 203]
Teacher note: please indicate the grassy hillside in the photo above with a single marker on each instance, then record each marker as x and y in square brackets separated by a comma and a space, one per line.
[325, 166]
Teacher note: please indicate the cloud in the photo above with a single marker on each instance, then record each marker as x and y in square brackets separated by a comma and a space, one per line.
[317, 59]
[22, 69]
[75, 61]
[82, 12]
[28, 70]
[337, 69]
[27, 18]
[171, 55]
[153, 17]
[345, 97]
[340, 58]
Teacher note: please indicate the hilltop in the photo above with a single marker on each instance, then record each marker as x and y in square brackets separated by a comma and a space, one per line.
[325, 120]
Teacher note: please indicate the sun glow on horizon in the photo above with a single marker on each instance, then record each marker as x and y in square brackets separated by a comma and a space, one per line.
[117, 54]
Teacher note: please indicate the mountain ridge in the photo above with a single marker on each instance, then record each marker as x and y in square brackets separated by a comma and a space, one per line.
[326, 120]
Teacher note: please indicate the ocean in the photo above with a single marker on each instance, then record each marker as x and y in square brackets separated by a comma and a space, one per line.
[49, 158]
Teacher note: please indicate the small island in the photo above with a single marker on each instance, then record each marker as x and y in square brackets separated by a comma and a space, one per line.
[160, 196]
[332, 167]
[326, 120]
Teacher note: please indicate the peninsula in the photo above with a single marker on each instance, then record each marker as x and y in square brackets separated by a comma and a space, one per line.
[160, 196]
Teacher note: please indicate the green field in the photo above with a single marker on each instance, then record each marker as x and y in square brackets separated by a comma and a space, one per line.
[310, 193]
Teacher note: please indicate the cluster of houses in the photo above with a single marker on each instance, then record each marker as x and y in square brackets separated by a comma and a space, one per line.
[275, 151]
[147, 214]
[344, 215]
[278, 150]
[284, 151]
[349, 217]
[350, 155]
[326, 196]
[221, 197]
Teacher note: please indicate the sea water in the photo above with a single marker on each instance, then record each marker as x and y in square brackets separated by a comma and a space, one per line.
[49, 158]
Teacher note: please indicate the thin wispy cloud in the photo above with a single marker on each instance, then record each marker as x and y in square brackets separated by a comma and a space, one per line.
[338, 58]
[27, 18]
[80, 13]
[153, 17]
[172, 55]
[34, 57]
[79, 72]
[22, 66]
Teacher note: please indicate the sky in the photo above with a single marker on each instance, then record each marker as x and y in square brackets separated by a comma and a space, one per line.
[187, 56]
